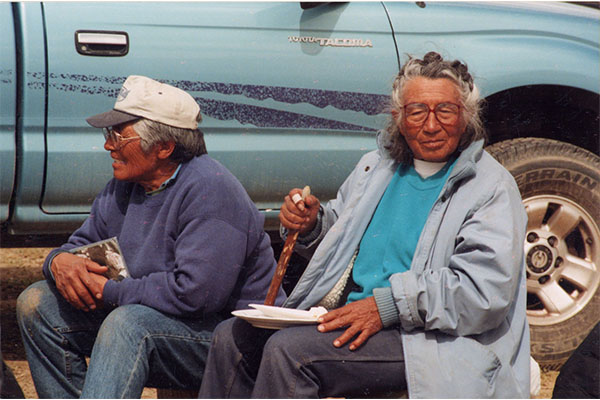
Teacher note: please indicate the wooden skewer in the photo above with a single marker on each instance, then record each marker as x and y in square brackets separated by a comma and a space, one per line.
[284, 259]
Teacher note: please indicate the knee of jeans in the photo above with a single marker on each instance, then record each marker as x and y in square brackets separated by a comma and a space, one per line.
[123, 321]
[29, 301]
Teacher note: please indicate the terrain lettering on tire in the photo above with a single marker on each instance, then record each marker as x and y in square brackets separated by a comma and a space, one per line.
[558, 174]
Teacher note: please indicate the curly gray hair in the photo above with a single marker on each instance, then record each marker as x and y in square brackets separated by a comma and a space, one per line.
[189, 143]
[433, 66]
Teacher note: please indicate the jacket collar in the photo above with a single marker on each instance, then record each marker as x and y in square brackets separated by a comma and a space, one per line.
[465, 165]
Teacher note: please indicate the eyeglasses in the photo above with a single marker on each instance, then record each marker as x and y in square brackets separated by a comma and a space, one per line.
[445, 113]
[115, 137]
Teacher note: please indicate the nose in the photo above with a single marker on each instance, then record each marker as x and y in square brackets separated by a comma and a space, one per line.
[431, 125]
[109, 145]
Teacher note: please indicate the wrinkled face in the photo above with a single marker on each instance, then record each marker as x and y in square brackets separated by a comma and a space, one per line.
[130, 163]
[437, 137]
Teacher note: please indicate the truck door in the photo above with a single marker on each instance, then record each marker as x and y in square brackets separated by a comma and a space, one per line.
[289, 96]
[8, 112]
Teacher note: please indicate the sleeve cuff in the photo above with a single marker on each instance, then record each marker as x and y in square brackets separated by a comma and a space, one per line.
[314, 234]
[48, 266]
[50, 273]
[386, 306]
[110, 294]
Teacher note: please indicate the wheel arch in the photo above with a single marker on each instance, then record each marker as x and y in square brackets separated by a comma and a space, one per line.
[563, 113]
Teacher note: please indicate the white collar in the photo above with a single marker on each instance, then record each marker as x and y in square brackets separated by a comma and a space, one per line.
[427, 168]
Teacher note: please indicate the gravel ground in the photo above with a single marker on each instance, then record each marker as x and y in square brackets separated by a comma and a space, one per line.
[19, 267]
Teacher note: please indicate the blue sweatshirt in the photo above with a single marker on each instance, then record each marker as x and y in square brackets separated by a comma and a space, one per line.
[196, 247]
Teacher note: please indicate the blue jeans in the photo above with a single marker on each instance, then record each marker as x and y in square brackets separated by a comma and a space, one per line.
[300, 362]
[129, 347]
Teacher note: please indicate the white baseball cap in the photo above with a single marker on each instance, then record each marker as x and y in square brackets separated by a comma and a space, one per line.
[144, 97]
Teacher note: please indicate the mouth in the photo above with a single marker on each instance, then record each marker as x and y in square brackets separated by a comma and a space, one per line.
[433, 143]
[117, 162]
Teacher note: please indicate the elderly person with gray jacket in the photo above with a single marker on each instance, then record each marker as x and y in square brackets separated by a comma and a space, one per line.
[419, 260]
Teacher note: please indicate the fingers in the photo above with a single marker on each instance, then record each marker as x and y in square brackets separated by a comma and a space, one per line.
[297, 214]
[312, 202]
[95, 267]
[332, 320]
[95, 281]
[352, 331]
[74, 282]
[70, 295]
[345, 337]
[361, 318]
[313, 205]
[362, 338]
[297, 200]
[290, 216]
[82, 296]
[335, 320]
[77, 294]
[349, 334]
[97, 285]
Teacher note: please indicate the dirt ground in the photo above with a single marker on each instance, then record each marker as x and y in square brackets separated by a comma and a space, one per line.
[19, 267]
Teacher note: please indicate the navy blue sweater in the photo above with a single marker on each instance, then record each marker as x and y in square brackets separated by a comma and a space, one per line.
[196, 247]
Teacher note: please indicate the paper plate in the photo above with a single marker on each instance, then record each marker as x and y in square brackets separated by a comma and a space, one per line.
[260, 320]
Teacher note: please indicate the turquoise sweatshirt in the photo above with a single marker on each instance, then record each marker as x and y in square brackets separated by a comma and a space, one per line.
[389, 243]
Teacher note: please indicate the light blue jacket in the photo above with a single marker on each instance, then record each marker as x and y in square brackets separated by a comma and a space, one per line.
[462, 305]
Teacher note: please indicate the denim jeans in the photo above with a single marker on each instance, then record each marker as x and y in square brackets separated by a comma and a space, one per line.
[300, 362]
[129, 347]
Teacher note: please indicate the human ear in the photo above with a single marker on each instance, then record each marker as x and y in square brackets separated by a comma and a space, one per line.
[165, 149]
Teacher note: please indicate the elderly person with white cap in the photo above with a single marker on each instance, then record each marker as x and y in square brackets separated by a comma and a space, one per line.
[195, 249]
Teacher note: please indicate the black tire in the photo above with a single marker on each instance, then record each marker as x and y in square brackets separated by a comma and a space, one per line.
[560, 186]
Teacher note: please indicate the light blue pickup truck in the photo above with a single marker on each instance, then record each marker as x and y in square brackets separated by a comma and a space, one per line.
[293, 94]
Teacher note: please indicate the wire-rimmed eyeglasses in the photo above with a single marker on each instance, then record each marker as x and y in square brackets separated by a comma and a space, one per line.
[115, 137]
[445, 113]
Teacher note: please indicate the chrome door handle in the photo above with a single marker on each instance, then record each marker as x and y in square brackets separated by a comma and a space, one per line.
[102, 43]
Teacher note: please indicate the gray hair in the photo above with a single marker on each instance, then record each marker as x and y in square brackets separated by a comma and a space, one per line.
[433, 66]
[189, 143]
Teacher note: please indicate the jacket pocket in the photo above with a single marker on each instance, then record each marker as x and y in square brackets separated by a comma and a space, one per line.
[470, 365]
